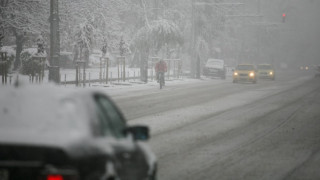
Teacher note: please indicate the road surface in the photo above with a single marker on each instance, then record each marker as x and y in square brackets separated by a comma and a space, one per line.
[214, 129]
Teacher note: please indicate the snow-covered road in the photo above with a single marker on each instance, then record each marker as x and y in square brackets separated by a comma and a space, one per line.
[213, 129]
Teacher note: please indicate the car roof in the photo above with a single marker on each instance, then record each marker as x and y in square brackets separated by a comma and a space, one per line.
[245, 65]
[211, 59]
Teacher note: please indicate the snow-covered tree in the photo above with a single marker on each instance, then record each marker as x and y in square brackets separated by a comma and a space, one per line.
[157, 34]
[102, 15]
[20, 18]
[164, 32]
[84, 38]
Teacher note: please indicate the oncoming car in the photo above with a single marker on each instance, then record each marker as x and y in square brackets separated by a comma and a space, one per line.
[47, 133]
[245, 72]
[304, 68]
[266, 71]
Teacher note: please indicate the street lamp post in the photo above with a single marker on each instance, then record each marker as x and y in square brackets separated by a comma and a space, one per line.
[54, 69]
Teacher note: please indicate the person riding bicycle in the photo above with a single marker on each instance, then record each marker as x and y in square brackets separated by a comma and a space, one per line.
[161, 67]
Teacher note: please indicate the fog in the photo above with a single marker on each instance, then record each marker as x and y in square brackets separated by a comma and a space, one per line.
[234, 30]
[238, 97]
[300, 32]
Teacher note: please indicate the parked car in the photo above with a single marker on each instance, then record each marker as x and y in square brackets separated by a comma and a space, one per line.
[215, 68]
[245, 72]
[266, 71]
[48, 133]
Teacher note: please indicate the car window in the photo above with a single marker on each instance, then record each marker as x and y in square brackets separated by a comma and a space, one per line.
[105, 127]
[111, 118]
[264, 67]
[245, 67]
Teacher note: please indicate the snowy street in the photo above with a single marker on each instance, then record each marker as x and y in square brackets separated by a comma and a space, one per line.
[160, 90]
[214, 129]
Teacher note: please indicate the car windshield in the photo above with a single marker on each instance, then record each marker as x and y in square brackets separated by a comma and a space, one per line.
[245, 67]
[212, 62]
[264, 67]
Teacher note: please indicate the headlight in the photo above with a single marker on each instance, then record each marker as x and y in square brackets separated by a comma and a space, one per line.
[271, 73]
[307, 67]
[235, 73]
[251, 74]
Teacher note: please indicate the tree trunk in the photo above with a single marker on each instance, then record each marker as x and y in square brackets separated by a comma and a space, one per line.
[141, 65]
[19, 44]
[1, 38]
[86, 56]
[198, 67]
[144, 66]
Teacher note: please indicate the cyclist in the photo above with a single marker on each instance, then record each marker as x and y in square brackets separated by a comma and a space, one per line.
[161, 67]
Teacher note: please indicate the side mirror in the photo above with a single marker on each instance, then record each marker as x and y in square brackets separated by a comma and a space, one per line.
[138, 132]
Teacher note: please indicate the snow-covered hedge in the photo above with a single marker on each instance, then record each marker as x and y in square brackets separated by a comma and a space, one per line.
[29, 65]
[11, 54]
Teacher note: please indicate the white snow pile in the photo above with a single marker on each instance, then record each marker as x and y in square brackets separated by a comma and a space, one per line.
[9, 50]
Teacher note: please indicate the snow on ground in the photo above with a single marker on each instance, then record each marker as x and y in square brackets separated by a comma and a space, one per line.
[172, 119]
[94, 73]
[169, 120]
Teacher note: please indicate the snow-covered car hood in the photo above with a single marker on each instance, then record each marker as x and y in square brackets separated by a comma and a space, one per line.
[45, 117]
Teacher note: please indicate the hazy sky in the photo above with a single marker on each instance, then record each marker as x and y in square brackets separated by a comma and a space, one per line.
[301, 31]
[299, 37]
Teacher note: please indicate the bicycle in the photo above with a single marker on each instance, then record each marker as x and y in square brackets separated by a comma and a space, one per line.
[161, 79]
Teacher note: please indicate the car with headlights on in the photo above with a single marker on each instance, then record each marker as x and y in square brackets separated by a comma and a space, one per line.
[266, 71]
[52, 133]
[245, 73]
[215, 68]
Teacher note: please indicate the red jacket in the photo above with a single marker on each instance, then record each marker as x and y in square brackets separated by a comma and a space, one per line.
[161, 67]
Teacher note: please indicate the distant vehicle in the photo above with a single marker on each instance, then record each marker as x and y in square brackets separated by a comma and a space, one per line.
[245, 72]
[215, 68]
[304, 67]
[49, 133]
[317, 68]
[266, 71]
[161, 80]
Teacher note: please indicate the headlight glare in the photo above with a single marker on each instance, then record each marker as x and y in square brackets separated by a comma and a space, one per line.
[251, 74]
[235, 73]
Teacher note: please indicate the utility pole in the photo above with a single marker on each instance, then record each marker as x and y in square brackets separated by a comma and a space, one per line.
[192, 59]
[259, 33]
[54, 69]
[156, 9]
[196, 58]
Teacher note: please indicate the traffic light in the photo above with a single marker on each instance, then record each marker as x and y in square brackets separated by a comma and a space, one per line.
[284, 17]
